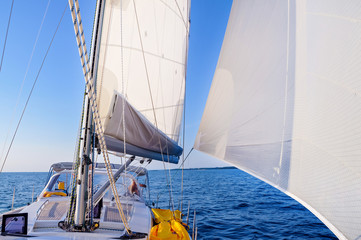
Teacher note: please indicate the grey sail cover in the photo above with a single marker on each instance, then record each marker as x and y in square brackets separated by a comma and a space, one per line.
[142, 137]
[285, 103]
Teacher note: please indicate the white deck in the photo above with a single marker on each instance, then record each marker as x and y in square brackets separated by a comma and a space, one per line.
[44, 215]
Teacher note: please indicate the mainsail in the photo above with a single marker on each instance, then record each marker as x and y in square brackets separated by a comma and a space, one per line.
[142, 57]
[285, 103]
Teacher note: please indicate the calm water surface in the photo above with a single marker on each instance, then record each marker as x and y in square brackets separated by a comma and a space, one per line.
[229, 203]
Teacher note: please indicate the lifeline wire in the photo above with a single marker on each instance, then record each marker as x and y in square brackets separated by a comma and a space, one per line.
[31, 91]
[6, 35]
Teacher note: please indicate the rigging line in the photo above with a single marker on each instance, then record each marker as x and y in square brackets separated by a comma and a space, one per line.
[81, 30]
[185, 88]
[6, 35]
[97, 121]
[76, 163]
[123, 97]
[184, 135]
[96, 159]
[180, 12]
[134, 170]
[182, 164]
[22, 84]
[89, 212]
[170, 179]
[184, 106]
[151, 98]
[85, 55]
[32, 89]
[165, 2]
[140, 166]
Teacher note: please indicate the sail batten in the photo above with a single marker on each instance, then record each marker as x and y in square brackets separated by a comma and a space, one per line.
[284, 103]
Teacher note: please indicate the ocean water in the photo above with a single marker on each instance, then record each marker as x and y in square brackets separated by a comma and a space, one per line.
[229, 203]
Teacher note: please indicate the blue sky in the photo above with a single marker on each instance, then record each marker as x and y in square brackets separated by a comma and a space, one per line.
[49, 128]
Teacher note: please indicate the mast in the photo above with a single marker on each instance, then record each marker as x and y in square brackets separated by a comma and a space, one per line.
[83, 171]
[85, 151]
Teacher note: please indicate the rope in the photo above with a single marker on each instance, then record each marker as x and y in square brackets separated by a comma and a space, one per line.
[31, 91]
[152, 102]
[85, 54]
[123, 93]
[140, 166]
[182, 164]
[184, 134]
[6, 35]
[122, 70]
[76, 163]
[98, 125]
[184, 22]
[91, 184]
[22, 84]
[184, 103]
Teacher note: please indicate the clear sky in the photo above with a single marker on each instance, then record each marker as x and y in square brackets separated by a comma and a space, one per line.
[49, 128]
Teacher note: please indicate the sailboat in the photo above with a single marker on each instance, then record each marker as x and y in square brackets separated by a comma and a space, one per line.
[284, 104]
[133, 104]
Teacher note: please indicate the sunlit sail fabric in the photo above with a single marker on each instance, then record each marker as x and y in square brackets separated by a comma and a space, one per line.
[285, 103]
[142, 56]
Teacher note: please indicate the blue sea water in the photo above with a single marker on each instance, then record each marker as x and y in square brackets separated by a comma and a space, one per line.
[229, 203]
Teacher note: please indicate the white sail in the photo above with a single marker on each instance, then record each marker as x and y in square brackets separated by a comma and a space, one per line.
[142, 56]
[285, 103]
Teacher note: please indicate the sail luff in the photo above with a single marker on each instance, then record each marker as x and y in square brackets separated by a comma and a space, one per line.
[284, 103]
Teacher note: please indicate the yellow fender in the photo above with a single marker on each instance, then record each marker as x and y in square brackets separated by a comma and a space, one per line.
[49, 194]
[168, 226]
[180, 230]
[163, 231]
[166, 215]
